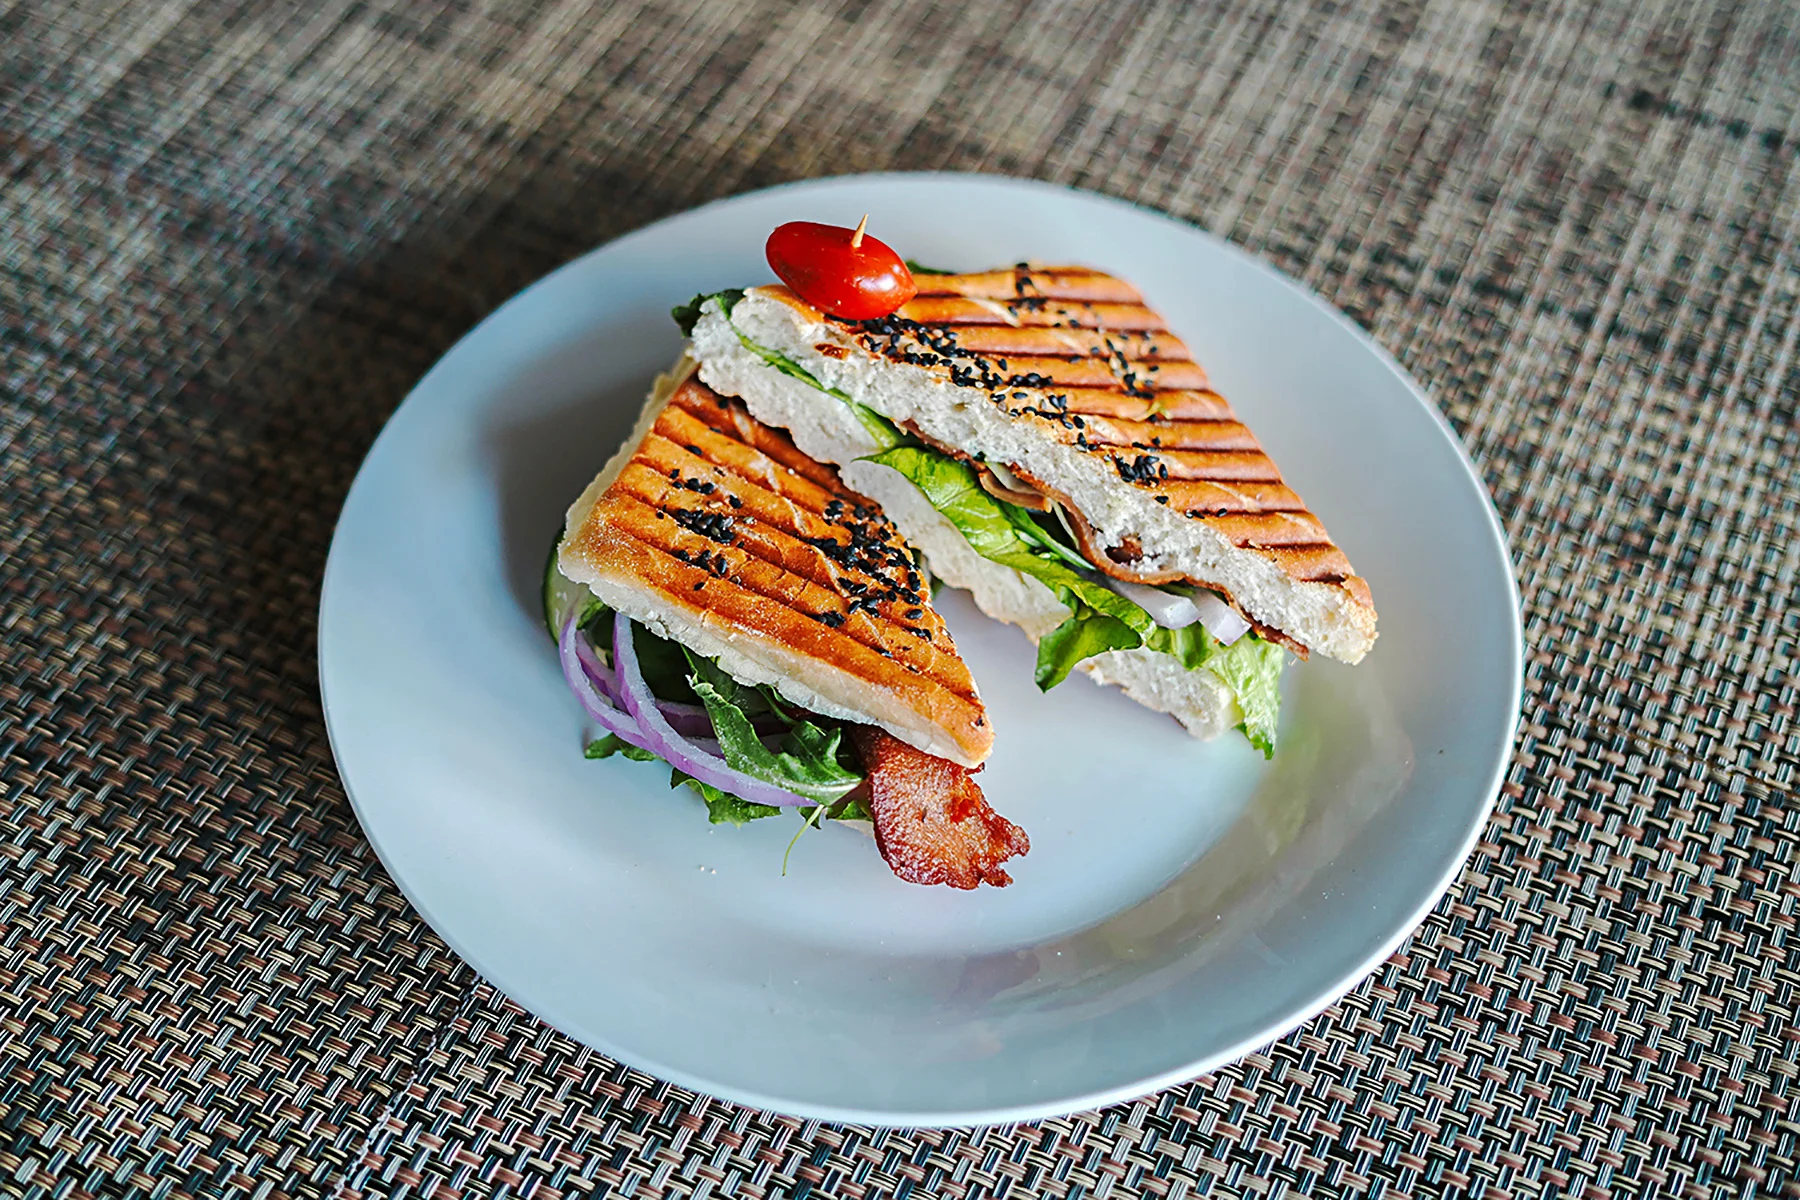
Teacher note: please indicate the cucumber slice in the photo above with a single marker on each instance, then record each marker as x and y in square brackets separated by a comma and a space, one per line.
[561, 595]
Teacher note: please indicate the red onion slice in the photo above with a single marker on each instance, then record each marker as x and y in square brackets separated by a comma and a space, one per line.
[599, 672]
[689, 719]
[596, 705]
[708, 766]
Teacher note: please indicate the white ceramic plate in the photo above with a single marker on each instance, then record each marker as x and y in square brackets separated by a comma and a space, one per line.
[1182, 903]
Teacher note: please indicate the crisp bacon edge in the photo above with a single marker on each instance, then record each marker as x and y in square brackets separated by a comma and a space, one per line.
[932, 823]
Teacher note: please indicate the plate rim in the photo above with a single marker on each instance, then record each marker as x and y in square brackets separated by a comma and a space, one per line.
[1281, 1025]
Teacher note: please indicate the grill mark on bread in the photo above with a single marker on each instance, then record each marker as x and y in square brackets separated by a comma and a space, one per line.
[1061, 283]
[1200, 498]
[1291, 530]
[728, 603]
[1317, 564]
[790, 531]
[870, 560]
[787, 535]
[1148, 468]
[1051, 342]
[1031, 311]
[733, 422]
[693, 468]
[805, 592]
[764, 521]
[1041, 371]
[1221, 434]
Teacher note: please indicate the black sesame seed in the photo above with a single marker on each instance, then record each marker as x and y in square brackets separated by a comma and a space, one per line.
[712, 526]
[1141, 469]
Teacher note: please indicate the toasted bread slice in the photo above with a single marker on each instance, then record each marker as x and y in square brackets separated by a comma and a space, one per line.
[1064, 376]
[713, 530]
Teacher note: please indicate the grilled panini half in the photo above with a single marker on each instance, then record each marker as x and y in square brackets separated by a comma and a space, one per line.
[712, 530]
[1065, 378]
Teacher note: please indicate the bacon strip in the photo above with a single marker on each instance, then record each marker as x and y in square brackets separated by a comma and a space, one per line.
[932, 823]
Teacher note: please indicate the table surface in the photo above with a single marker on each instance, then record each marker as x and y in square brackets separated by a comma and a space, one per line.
[232, 235]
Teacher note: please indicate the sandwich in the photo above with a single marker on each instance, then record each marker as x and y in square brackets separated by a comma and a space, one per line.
[1052, 447]
[725, 604]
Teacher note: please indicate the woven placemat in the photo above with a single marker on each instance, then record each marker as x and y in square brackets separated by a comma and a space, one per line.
[232, 235]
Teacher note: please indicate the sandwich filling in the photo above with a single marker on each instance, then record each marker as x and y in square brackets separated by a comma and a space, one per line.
[1012, 522]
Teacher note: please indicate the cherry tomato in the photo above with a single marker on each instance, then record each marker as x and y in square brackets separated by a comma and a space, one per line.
[856, 282]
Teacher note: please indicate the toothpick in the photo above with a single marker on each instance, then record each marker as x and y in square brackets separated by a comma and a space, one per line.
[857, 237]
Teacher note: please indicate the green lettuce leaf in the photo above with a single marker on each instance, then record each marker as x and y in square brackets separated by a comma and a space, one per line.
[722, 808]
[807, 762]
[918, 268]
[850, 808]
[1049, 541]
[688, 315]
[1251, 668]
[610, 744]
[664, 665]
[1084, 634]
[561, 594]
[1191, 646]
[1099, 618]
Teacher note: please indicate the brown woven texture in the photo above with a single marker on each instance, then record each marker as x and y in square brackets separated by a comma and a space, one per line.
[233, 234]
